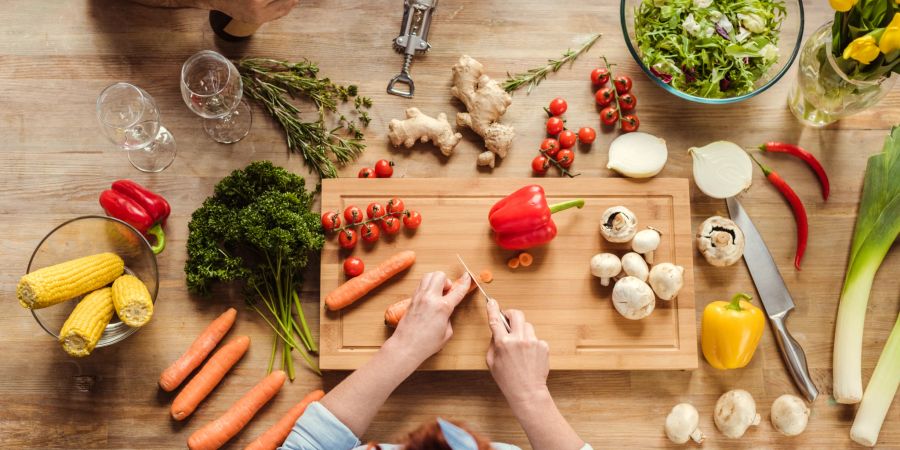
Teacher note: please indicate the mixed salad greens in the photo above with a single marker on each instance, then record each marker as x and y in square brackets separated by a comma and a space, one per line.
[709, 48]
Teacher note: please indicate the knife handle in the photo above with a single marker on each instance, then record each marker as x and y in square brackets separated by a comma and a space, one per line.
[794, 357]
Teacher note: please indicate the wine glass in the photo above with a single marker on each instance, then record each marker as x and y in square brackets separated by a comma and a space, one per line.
[130, 119]
[211, 87]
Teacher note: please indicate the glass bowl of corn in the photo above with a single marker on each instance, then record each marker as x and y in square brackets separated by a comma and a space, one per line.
[76, 271]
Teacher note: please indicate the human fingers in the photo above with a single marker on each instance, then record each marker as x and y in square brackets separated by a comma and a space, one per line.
[529, 331]
[516, 321]
[422, 287]
[495, 319]
[436, 284]
[458, 290]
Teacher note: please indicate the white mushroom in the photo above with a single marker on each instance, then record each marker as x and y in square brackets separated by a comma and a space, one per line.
[618, 224]
[633, 298]
[646, 242]
[789, 415]
[735, 412]
[720, 241]
[605, 266]
[635, 266]
[666, 279]
[682, 424]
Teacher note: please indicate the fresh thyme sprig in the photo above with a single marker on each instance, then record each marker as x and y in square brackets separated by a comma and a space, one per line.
[534, 76]
[275, 83]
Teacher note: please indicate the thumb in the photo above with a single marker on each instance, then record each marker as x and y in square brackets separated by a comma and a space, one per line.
[495, 319]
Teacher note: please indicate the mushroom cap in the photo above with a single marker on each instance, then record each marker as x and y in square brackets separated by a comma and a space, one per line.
[605, 265]
[789, 415]
[681, 422]
[646, 240]
[633, 298]
[635, 265]
[618, 224]
[720, 241]
[666, 279]
[735, 412]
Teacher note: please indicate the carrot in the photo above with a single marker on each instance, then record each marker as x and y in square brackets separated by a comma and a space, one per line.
[275, 436]
[209, 377]
[525, 259]
[486, 276]
[395, 312]
[197, 352]
[216, 433]
[355, 288]
[513, 263]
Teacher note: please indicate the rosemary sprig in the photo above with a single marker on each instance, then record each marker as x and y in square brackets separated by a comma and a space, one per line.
[273, 84]
[534, 76]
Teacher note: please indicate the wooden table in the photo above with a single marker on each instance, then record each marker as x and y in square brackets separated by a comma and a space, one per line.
[57, 56]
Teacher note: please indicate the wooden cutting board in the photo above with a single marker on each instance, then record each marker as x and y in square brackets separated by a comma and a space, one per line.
[568, 307]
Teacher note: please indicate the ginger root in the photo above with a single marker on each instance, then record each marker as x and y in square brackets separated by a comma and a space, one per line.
[485, 102]
[420, 126]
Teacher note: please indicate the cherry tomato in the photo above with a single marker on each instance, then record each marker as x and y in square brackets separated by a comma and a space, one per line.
[630, 123]
[369, 232]
[384, 168]
[604, 96]
[550, 146]
[353, 215]
[353, 267]
[366, 172]
[391, 225]
[331, 220]
[623, 84]
[609, 115]
[555, 125]
[540, 164]
[348, 238]
[558, 106]
[627, 101]
[412, 220]
[587, 135]
[600, 76]
[565, 158]
[374, 210]
[567, 139]
[395, 207]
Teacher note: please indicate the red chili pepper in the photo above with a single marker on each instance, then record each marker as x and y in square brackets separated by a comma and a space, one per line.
[131, 212]
[796, 205]
[523, 219]
[153, 203]
[807, 157]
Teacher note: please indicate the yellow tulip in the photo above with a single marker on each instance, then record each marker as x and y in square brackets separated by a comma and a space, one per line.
[890, 40]
[863, 49]
[843, 5]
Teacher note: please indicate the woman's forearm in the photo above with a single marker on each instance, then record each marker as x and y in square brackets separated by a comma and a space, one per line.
[546, 428]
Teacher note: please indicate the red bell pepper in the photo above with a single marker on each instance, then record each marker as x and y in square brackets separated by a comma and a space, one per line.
[523, 219]
[132, 211]
[153, 203]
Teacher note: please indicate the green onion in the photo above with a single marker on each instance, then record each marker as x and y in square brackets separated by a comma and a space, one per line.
[879, 393]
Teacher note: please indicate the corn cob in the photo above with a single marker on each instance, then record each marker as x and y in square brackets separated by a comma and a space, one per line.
[83, 328]
[132, 300]
[65, 281]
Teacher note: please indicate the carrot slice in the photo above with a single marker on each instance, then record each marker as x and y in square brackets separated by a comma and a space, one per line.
[197, 352]
[355, 288]
[486, 276]
[525, 259]
[513, 263]
[275, 436]
[209, 377]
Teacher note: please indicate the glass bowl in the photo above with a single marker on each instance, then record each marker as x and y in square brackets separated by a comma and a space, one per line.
[89, 235]
[791, 35]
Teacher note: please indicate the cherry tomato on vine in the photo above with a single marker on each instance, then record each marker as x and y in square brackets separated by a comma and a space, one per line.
[558, 106]
[331, 220]
[566, 139]
[587, 135]
[384, 168]
[412, 220]
[550, 146]
[623, 84]
[604, 96]
[565, 158]
[630, 123]
[391, 225]
[353, 215]
[627, 101]
[555, 125]
[609, 115]
[353, 267]
[395, 207]
[374, 210]
[540, 164]
[366, 172]
[600, 76]
[369, 232]
[348, 238]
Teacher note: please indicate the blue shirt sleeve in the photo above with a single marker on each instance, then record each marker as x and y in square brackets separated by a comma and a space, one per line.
[318, 429]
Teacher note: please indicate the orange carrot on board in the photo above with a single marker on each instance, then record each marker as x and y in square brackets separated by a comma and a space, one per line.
[355, 288]
[395, 312]
[513, 263]
[275, 436]
[216, 433]
[209, 377]
[486, 276]
[196, 353]
[525, 259]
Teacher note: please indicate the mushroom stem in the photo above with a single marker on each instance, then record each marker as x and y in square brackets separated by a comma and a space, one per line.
[649, 257]
[721, 238]
[604, 281]
[698, 436]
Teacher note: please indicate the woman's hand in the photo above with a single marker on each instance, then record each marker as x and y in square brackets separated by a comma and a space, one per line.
[518, 360]
[425, 328]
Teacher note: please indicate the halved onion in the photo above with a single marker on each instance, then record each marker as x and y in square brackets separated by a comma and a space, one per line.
[637, 155]
[722, 169]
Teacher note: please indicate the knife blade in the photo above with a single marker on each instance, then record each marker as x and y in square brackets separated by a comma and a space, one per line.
[487, 297]
[774, 295]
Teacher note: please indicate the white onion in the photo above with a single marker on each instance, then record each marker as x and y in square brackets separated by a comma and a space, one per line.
[637, 155]
[722, 169]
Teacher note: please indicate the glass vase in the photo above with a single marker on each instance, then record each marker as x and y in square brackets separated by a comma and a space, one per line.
[823, 93]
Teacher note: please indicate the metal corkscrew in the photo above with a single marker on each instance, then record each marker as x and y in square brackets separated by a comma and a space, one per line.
[413, 38]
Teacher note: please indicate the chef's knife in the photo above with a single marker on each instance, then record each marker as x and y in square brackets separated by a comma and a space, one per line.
[487, 297]
[774, 296]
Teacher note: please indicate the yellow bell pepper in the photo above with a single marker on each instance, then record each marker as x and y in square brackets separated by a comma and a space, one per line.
[730, 332]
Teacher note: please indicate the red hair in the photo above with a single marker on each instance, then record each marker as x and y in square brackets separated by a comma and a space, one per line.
[429, 437]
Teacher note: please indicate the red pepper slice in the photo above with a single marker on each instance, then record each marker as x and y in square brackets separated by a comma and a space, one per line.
[807, 157]
[126, 209]
[153, 203]
[523, 219]
[796, 206]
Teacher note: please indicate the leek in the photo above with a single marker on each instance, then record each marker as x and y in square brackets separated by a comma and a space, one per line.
[879, 393]
[877, 226]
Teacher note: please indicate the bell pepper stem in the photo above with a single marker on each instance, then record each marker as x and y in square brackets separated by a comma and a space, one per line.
[159, 236]
[735, 303]
[578, 203]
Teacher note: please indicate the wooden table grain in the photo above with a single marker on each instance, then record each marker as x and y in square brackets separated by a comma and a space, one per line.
[56, 57]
